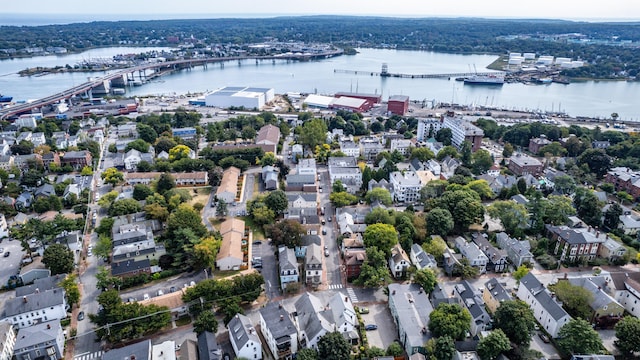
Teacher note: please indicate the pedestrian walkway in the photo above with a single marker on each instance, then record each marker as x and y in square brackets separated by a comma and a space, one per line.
[89, 356]
[335, 286]
[352, 295]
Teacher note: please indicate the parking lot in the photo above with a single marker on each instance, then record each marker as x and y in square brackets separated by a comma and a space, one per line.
[386, 333]
[547, 349]
[11, 263]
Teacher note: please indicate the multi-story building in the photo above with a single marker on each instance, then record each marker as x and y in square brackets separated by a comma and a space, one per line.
[518, 252]
[129, 268]
[398, 104]
[41, 306]
[470, 298]
[313, 265]
[370, 147]
[471, 251]
[575, 244]
[428, 128]
[462, 131]
[7, 340]
[244, 338]
[147, 249]
[288, 266]
[521, 164]
[279, 332]
[76, 159]
[410, 309]
[494, 294]
[403, 146]
[40, 341]
[497, 257]
[536, 144]
[398, 262]
[269, 135]
[347, 171]
[406, 186]
[230, 255]
[547, 311]
[228, 188]
[625, 179]
[186, 133]
[349, 148]
[422, 259]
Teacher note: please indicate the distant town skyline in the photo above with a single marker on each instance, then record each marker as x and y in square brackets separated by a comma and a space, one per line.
[612, 10]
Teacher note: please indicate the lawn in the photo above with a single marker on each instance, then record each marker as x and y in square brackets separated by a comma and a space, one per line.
[258, 233]
[201, 195]
[184, 320]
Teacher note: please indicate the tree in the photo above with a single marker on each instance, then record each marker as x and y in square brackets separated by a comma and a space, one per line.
[147, 133]
[112, 176]
[575, 298]
[374, 271]
[482, 188]
[206, 321]
[465, 154]
[277, 201]
[468, 211]
[515, 318]
[58, 258]
[286, 232]
[555, 210]
[394, 349]
[185, 217]
[597, 160]
[508, 150]
[337, 186]
[482, 161]
[587, 206]
[333, 346]
[343, 198]
[179, 152]
[71, 291]
[450, 320]
[269, 159]
[307, 354]
[520, 272]
[112, 148]
[564, 184]
[445, 348]
[382, 236]
[141, 192]
[139, 145]
[444, 136]
[262, 215]
[513, 216]
[124, 207]
[426, 278]
[439, 222]
[628, 335]
[156, 211]
[612, 216]
[379, 215]
[86, 171]
[493, 345]
[435, 246]
[465, 270]
[205, 252]
[103, 246]
[578, 337]
[447, 150]
[314, 132]
[221, 208]
[422, 154]
[165, 183]
[381, 195]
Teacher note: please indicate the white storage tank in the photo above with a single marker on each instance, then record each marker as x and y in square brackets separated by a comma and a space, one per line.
[529, 56]
[560, 60]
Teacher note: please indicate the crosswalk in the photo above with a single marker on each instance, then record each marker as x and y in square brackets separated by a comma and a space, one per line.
[352, 295]
[89, 356]
[335, 286]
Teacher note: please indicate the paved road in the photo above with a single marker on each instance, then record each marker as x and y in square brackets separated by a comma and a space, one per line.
[333, 263]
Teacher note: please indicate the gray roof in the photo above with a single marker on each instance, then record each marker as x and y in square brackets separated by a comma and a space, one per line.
[468, 250]
[311, 239]
[309, 197]
[301, 179]
[424, 259]
[600, 298]
[520, 199]
[471, 299]
[208, 348]
[412, 308]
[43, 284]
[308, 307]
[313, 255]
[489, 250]
[241, 331]
[38, 334]
[127, 266]
[277, 320]
[535, 287]
[287, 258]
[344, 161]
[497, 290]
[140, 350]
[35, 301]
[576, 236]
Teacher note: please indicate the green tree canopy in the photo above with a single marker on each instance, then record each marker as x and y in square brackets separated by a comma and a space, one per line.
[286, 232]
[206, 321]
[516, 320]
[439, 222]
[575, 299]
[58, 258]
[426, 278]
[379, 194]
[628, 335]
[481, 161]
[578, 337]
[445, 348]
[165, 183]
[333, 346]
[343, 198]
[379, 215]
[435, 245]
[382, 236]
[314, 132]
[513, 216]
[277, 201]
[450, 320]
[112, 176]
[493, 345]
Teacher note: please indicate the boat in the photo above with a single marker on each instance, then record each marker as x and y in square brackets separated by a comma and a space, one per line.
[492, 79]
[544, 80]
[5, 99]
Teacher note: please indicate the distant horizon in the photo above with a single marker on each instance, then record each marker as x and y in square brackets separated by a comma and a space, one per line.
[43, 19]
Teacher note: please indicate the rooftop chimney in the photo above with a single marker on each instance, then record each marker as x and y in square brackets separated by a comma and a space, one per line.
[281, 317]
[24, 299]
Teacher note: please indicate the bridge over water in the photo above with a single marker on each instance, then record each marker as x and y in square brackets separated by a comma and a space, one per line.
[129, 75]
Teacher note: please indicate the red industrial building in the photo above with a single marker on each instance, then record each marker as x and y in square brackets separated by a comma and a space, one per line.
[351, 104]
[372, 98]
[398, 104]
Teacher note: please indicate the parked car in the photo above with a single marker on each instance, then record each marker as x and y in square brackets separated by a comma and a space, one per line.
[544, 337]
[326, 253]
[7, 254]
[160, 292]
[172, 289]
[145, 296]
[324, 231]
[363, 310]
[81, 316]
[369, 327]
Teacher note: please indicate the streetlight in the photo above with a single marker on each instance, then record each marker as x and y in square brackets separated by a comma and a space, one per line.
[206, 275]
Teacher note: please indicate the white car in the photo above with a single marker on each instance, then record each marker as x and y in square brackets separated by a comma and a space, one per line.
[145, 296]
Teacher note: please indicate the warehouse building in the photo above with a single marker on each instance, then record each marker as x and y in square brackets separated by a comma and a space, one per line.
[398, 104]
[247, 97]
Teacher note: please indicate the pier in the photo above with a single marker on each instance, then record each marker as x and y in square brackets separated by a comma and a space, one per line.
[412, 76]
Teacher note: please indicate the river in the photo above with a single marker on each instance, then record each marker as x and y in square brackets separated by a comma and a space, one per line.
[590, 98]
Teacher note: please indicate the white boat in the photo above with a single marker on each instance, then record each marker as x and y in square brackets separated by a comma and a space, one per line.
[477, 79]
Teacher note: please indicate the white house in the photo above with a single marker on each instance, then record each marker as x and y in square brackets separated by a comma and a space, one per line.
[406, 186]
[313, 264]
[403, 146]
[314, 319]
[7, 340]
[422, 259]
[350, 148]
[471, 251]
[347, 171]
[244, 338]
[288, 266]
[551, 316]
[35, 308]
[398, 262]
[279, 332]
[4, 228]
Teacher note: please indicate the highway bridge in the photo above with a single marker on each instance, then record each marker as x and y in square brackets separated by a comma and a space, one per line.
[161, 67]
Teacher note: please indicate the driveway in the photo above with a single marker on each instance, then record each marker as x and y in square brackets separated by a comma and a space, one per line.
[11, 263]
[547, 349]
[387, 332]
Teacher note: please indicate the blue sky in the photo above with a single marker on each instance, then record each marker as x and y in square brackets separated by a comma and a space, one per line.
[146, 9]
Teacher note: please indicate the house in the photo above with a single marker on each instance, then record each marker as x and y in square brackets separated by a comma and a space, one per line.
[189, 350]
[625, 179]
[471, 299]
[23, 162]
[422, 259]
[410, 309]
[7, 340]
[195, 178]
[301, 182]
[44, 191]
[353, 260]
[605, 309]
[278, 331]
[133, 157]
[269, 135]
[497, 183]
[350, 220]
[288, 266]
[451, 261]
[137, 351]
[370, 147]
[302, 200]
[383, 183]
[535, 144]
[398, 262]
[41, 284]
[165, 350]
[518, 252]
[611, 249]
[549, 177]
[244, 338]
[228, 188]
[473, 253]
[313, 265]
[349, 148]
[41, 341]
[406, 186]
[297, 152]
[347, 171]
[128, 130]
[630, 224]
[310, 320]
[137, 251]
[270, 177]
[36, 308]
[76, 159]
[129, 268]
[497, 257]
[230, 255]
[547, 311]
[521, 164]
[494, 293]
[6, 162]
[403, 146]
[172, 300]
[575, 244]
[4, 227]
[135, 234]
[208, 348]
[625, 288]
